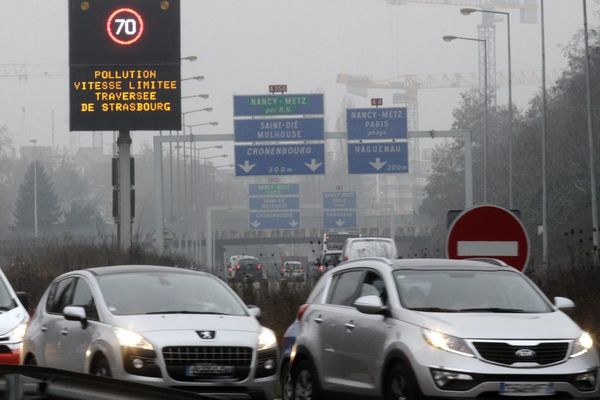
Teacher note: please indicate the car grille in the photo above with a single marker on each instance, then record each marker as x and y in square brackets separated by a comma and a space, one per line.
[504, 353]
[190, 363]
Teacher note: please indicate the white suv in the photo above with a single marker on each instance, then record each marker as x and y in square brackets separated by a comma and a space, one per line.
[156, 325]
[363, 247]
[407, 329]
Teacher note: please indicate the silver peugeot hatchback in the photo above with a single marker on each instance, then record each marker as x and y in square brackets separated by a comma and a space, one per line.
[156, 325]
[407, 329]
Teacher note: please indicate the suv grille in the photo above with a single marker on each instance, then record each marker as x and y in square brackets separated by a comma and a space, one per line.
[207, 363]
[504, 353]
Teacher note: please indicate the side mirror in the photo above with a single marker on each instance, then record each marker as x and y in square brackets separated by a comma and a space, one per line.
[564, 304]
[76, 313]
[22, 296]
[369, 305]
[255, 312]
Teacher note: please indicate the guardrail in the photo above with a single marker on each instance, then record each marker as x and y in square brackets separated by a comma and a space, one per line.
[18, 382]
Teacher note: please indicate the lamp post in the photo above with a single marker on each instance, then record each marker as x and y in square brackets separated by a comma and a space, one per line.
[468, 11]
[544, 150]
[485, 99]
[35, 207]
[189, 58]
[193, 78]
[590, 126]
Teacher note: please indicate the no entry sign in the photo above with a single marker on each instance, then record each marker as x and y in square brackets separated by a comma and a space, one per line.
[489, 232]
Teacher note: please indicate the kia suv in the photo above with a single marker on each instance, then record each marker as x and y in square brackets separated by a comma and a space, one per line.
[156, 325]
[407, 329]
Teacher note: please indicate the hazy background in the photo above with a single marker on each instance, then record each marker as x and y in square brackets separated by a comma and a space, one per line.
[243, 46]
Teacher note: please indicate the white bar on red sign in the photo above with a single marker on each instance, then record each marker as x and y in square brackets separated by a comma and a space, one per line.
[488, 249]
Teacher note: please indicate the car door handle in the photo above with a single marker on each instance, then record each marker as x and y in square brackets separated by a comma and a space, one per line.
[349, 325]
[318, 320]
[64, 332]
[43, 328]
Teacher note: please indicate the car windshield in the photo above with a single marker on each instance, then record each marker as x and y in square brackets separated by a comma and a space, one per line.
[248, 262]
[6, 300]
[371, 248]
[156, 293]
[468, 291]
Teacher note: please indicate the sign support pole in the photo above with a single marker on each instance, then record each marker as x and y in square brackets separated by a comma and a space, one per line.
[124, 145]
[158, 196]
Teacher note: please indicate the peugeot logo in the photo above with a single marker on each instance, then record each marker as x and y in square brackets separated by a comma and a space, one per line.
[206, 335]
[525, 353]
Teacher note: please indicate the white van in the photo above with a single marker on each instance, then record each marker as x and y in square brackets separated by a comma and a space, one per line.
[13, 322]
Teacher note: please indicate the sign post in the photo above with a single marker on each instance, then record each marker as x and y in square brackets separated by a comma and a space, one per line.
[124, 75]
[489, 232]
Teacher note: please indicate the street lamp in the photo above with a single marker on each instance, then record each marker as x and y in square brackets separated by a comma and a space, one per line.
[469, 11]
[189, 58]
[193, 78]
[202, 96]
[35, 207]
[213, 123]
[485, 96]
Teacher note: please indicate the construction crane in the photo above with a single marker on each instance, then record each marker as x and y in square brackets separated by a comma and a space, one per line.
[487, 29]
[409, 85]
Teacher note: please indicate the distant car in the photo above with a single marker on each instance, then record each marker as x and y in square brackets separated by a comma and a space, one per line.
[293, 270]
[13, 322]
[369, 247]
[156, 325]
[334, 240]
[248, 269]
[328, 261]
[231, 266]
[433, 328]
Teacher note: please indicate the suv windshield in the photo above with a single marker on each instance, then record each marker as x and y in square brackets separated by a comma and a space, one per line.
[6, 300]
[156, 293]
[468, 291]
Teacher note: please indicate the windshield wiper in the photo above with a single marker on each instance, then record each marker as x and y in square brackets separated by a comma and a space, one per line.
[433, 309]
[493, 310]
[186, 312]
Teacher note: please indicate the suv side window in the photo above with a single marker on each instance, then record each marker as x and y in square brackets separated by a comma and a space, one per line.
[83, 298]
[60, 295]
[345, 288]
[373, 285]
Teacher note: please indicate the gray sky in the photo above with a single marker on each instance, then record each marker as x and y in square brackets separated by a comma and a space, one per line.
[243, 46]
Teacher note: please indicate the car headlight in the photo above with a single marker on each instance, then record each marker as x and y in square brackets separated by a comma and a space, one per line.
[129, 338]
[448, 343]
[17, 334]
[582, 345]
[266, 339]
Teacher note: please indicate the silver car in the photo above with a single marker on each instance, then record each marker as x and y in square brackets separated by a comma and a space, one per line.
[407, 329]
[156, 325]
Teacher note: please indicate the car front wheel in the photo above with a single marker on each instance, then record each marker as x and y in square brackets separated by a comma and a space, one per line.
[101, 367]
[305, 382]
[400, 384]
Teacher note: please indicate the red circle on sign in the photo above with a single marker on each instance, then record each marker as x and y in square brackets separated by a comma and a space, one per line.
[489, 232]
[130, 28]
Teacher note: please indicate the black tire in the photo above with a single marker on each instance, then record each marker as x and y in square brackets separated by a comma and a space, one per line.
[400, 384]
[101, 367]
[30, 360]
[305, 382]
[285, 381]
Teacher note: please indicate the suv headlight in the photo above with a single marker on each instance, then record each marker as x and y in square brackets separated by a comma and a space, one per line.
[582, 345]
[266, 339]
[17, 334]
[129, 338]
[448, 343]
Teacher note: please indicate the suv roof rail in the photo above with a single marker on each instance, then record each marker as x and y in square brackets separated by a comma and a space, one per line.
[489, 260]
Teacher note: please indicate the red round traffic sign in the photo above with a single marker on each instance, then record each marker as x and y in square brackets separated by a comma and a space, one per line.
[489, 232]
[125, 26]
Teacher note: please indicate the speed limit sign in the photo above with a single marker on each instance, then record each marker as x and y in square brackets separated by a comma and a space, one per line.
[125, 26]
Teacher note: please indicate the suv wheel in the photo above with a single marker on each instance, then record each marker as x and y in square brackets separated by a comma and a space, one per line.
[285, 382]
[400, 384]
[100, 367]
[305, 383]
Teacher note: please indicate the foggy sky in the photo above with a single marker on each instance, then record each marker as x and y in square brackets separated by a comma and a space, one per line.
[245, 45]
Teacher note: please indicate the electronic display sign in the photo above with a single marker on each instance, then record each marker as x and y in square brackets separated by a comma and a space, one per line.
[125, 65]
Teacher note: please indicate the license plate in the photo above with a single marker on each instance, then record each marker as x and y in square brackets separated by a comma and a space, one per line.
[527, 388]
[208, 369]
